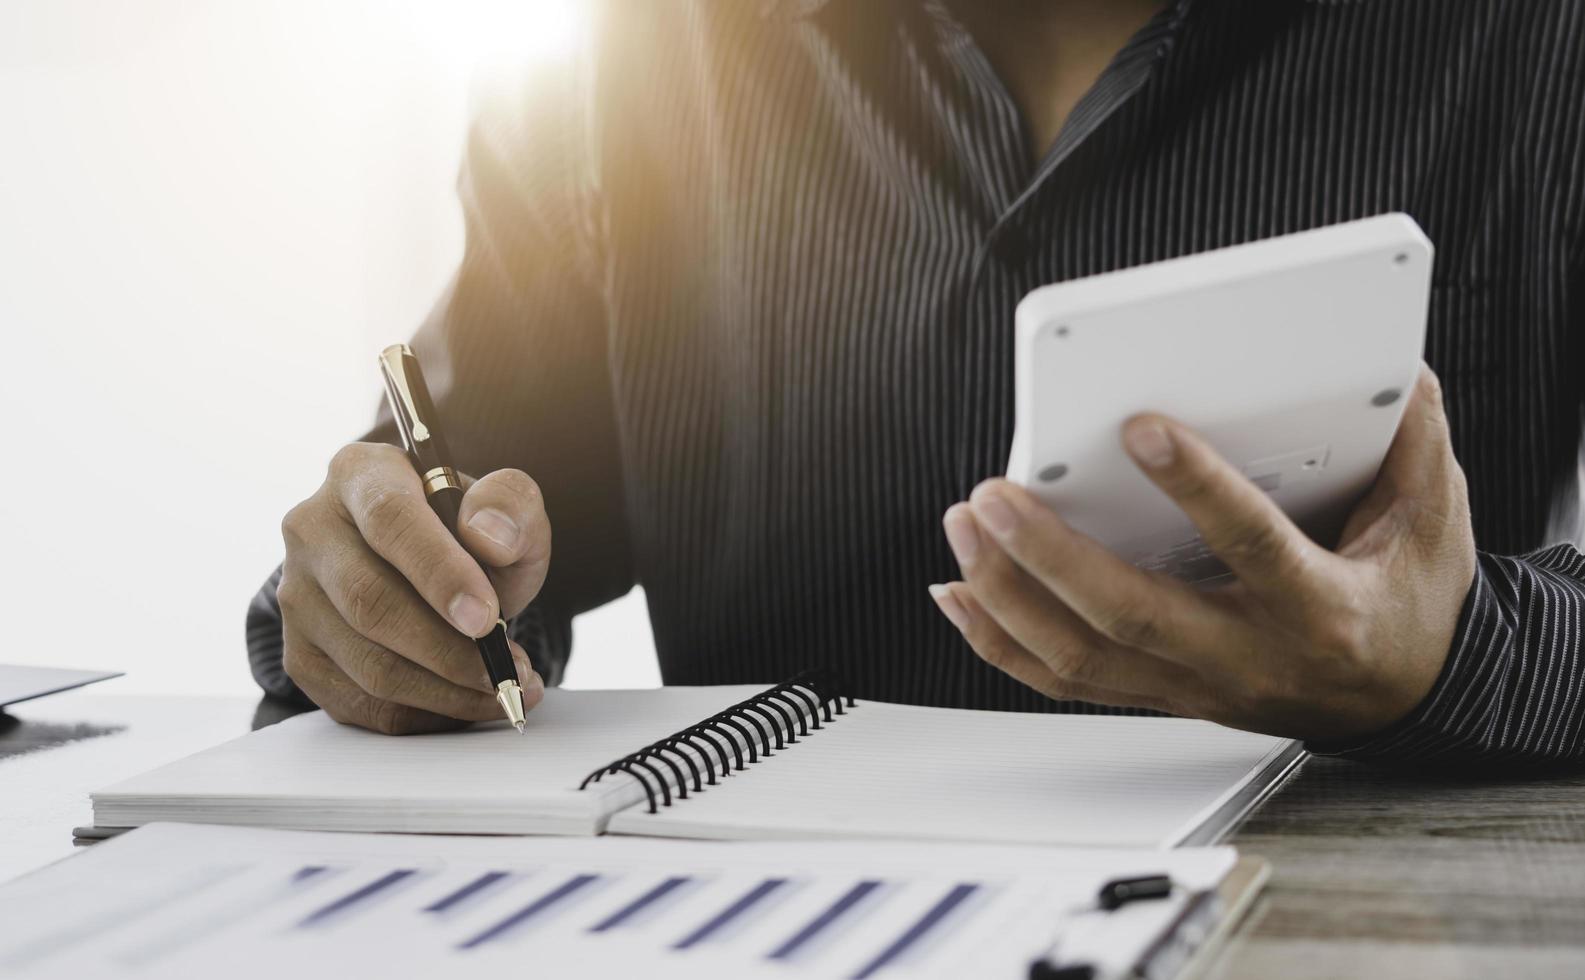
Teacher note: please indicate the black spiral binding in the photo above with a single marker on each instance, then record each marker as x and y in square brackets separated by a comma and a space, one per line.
[818, 691]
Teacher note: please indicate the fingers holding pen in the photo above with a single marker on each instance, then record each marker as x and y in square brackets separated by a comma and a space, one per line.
[380, 493]
[343, 699]
[342, 578]
[384, 673]
[503, 524]
[433, 681]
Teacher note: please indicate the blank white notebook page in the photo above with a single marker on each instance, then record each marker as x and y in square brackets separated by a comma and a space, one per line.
[897, 771]
[309, 773]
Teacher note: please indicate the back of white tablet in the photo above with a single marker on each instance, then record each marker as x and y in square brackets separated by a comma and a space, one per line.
[1293, 356]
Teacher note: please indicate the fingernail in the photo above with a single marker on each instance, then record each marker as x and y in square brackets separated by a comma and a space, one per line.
[470, 614]
[1149, 443]
[996, 514]
[962, 535]
[950, 607]
[496, 526]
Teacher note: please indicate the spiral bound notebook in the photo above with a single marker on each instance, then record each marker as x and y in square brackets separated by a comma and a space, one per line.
[797, 760]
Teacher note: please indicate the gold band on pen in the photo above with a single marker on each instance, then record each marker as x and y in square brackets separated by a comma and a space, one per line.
[440, 478]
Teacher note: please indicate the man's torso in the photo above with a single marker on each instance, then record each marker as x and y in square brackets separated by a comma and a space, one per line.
[815, 225]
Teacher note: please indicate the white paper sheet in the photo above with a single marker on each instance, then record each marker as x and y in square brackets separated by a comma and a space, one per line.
[179, 900]
[888, 771]
[309, 773]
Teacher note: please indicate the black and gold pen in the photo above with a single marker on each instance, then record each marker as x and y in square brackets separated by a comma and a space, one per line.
[426, 449]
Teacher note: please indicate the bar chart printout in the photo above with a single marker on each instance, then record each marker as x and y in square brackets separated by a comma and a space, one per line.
[177, 900]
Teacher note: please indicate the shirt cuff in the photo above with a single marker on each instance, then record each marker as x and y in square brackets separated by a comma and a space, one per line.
[265, 644]
[1453, 714]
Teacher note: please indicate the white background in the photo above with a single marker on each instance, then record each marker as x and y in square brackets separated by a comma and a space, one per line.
[213, 213]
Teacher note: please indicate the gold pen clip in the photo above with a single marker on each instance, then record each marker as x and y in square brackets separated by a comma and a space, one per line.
[395, 371]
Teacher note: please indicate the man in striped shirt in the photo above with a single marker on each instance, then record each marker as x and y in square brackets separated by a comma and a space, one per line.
[738, 295]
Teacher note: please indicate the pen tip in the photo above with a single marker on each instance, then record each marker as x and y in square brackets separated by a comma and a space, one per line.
[510, 697]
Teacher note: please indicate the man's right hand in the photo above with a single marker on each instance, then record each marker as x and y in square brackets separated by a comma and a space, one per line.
[381, 604]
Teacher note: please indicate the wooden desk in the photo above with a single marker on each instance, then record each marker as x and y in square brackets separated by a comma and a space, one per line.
[1375, 874]
[1379, 874]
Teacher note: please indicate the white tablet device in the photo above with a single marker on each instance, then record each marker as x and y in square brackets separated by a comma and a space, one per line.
[1293, 356]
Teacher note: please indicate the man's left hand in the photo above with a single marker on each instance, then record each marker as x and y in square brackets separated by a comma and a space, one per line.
[1306, 643]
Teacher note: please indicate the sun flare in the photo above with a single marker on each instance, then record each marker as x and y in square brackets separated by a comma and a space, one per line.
[487, 34]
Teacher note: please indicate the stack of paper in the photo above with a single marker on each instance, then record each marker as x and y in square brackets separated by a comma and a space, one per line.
[186, 901]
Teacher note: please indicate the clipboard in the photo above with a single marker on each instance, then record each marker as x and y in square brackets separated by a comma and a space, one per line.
[1186, 940]
[1238, 893]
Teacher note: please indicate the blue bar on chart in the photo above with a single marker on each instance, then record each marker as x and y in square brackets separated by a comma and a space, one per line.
[820, 923]
[532, 910]
[919, 930]
[748, 900]
[351, 899]
[468, 891]
[645, 901]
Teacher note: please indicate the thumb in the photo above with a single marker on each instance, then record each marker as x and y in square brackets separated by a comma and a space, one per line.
[1420, 478]
[502, 523]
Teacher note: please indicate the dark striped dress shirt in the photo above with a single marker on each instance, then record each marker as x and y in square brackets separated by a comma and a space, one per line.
[739, 293]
